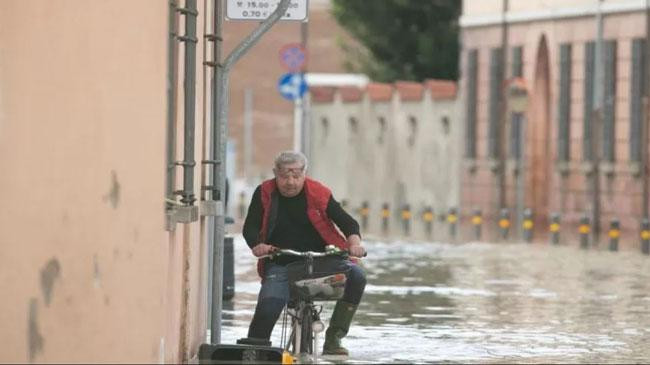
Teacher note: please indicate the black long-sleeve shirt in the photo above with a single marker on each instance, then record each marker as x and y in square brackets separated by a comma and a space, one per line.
[293, 230]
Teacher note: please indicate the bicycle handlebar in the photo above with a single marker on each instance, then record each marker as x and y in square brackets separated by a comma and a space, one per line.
[328, 252]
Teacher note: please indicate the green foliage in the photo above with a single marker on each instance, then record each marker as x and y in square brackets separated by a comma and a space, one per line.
[402, 39]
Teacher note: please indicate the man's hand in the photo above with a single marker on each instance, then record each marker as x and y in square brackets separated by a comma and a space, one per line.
[357, 250]
[354, 246]
[263, 249]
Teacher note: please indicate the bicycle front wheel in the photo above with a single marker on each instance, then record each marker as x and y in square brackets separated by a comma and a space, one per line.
[307, 334]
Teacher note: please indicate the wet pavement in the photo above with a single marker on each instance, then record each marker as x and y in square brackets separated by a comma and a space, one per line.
[479, 302]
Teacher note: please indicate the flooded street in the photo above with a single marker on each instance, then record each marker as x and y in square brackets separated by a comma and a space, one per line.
[476, 302]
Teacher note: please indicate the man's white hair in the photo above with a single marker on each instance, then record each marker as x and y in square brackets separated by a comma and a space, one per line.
[289, 157]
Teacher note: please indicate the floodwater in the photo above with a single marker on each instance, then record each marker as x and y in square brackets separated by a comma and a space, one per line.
[482, 303]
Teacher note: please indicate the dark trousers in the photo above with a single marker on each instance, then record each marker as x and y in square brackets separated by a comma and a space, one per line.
[274, 295]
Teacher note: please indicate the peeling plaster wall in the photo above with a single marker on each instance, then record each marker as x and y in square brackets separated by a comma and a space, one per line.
[88, 272]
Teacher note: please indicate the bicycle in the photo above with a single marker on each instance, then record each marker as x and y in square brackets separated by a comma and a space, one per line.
[320, 276]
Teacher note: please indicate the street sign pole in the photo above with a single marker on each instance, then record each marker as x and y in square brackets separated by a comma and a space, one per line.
[297, 123]
[219, 179]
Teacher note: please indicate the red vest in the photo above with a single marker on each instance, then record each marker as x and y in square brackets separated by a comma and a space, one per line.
[317, 196]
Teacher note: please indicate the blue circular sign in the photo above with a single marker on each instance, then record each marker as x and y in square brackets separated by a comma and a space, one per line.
[292, 86]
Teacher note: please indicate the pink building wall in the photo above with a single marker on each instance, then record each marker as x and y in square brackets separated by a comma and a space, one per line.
[547, 191]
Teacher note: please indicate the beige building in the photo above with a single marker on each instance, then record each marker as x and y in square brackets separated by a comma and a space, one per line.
[552, 46]
[389, 152]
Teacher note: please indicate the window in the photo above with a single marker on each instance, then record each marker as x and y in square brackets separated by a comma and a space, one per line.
[325, 128]
[472, 99]
[445, 124]
[496, 80]
[353, 124]
[382, 129]
[517, 62]
[588, 101]
[413, 129]
[637, 84]
[353, 129]
[564, 105]
[609, 108]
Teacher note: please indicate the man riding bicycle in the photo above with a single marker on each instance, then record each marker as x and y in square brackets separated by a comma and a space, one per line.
[295, 212]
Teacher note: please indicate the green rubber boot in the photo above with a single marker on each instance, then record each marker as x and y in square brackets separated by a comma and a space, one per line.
[338, 328]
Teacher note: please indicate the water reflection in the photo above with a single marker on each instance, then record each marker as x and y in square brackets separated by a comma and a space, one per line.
[431, 302]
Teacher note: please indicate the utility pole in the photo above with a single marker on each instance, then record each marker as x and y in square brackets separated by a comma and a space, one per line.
[503, 108]
[219, 126]
[248, 132]
[304, 121]
[597, 126]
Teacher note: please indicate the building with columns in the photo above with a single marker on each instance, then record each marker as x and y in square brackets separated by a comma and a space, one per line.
[576, 145]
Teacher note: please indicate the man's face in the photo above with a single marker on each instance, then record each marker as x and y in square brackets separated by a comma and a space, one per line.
[290, 178]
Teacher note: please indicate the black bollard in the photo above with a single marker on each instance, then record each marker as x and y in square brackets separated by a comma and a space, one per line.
[385, 215]
[228, 268]
[477, 221]
[645, 236]
[584, 230]
[554, 227]
[614, 234]
[406, 219]
[504, 223]
[364, 211]
[528, 225]
[452, 218]
[427, 217]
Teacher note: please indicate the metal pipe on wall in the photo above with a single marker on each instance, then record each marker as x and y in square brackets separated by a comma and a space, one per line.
[646, 120]
[189, 101]
[172, 53]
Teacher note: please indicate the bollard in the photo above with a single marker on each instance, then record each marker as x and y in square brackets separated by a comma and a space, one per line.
[504, 223]
[645, 236]
[584, 229]
[528, 225]
[452, 218]
[614, 233]
[554, 228]
[385, 214]
[406, 219]
[228, 269]
[364, 211]
[477, 220]
[427, 217]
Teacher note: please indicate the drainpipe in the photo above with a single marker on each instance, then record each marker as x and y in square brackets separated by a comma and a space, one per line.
[646, 120]
[503, 109]
[597, 125]
[172, 52]
[189, 86]
[219, 140]
[209, 202]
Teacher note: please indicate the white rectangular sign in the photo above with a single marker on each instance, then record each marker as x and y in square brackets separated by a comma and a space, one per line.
[261, 9]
